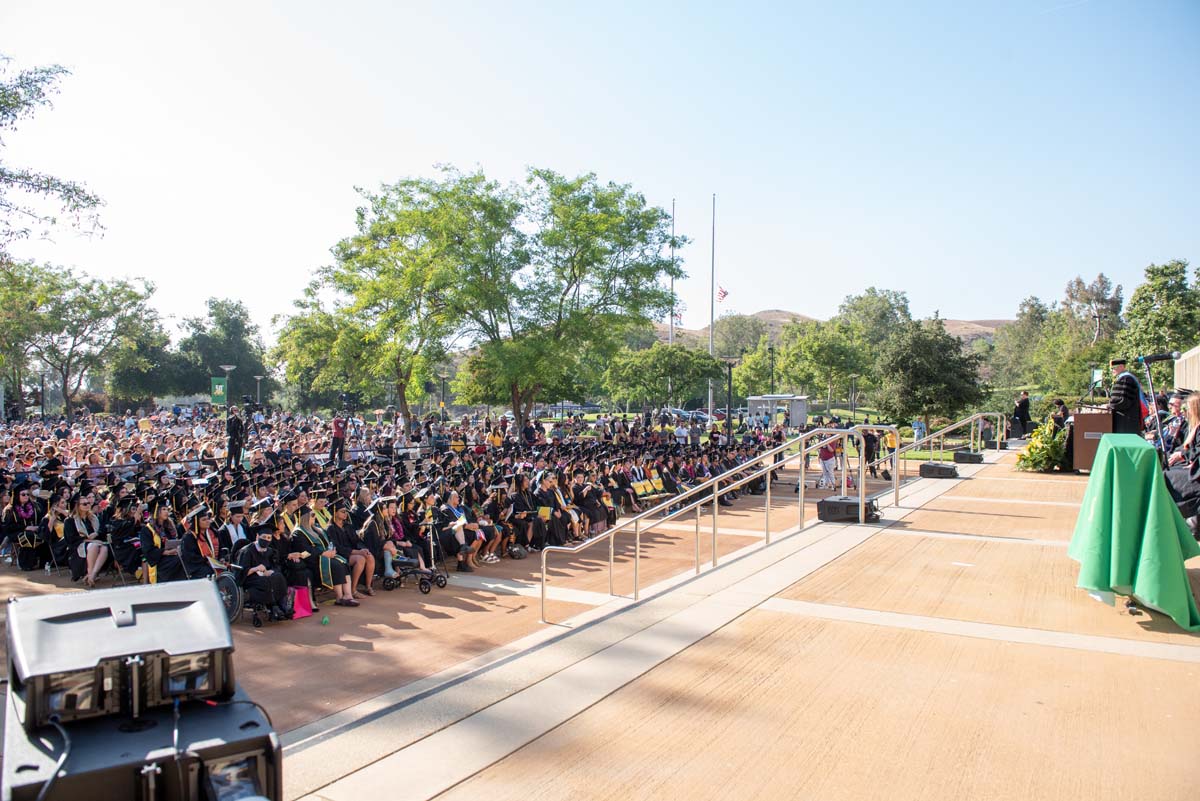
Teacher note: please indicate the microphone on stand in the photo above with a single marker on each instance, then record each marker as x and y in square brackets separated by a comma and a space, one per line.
[1159, 357]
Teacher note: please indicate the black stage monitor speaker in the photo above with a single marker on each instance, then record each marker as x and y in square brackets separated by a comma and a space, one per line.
[938, 470]
[968, 457]
[990, 444]
[109, 681]
[844, 509]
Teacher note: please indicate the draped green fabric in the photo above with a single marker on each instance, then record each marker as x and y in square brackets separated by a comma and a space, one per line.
[1130, 538]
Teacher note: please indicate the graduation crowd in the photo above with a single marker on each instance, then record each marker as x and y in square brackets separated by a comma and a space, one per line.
[288, 503]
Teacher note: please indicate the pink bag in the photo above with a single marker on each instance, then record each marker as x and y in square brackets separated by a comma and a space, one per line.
[301, 603]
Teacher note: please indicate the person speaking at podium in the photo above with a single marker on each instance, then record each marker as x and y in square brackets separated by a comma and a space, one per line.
[1126, 400]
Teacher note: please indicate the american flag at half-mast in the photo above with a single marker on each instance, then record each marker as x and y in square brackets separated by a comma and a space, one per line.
[721, 294]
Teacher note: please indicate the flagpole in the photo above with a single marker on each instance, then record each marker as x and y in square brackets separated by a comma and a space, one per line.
[712, 296]
[671, 330]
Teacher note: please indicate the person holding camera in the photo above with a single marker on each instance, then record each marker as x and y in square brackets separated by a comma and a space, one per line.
[235, 434]
[337, 448]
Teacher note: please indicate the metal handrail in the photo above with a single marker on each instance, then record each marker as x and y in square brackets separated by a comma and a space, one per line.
[894, 456]
[714, 483]
[940, 435]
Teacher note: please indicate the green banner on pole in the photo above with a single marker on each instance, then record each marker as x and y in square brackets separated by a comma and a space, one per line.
[219, 398]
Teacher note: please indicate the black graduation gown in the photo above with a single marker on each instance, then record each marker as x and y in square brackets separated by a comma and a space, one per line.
[265, 590]
[344, 540]
[587, 498]
[167, 567]
[530, 529]
[1126, 405]
[556, 527]
[326, 571]
[195, 565]
[126, 544]
[296, 573]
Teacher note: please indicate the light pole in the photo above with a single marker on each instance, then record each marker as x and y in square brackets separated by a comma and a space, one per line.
[442, 414]
[771, 357]
[228, 368]
[43, 375]
[853, 397]
[730, 361]
[257, 388]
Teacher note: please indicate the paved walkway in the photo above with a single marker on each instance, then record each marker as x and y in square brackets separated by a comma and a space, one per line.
[942, 654]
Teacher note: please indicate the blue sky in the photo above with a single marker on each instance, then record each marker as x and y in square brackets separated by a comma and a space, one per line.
[968, 154]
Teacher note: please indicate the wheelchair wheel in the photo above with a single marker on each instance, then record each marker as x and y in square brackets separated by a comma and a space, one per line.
[389, 584]
[231, 596]
[440, 580]
[425, 586]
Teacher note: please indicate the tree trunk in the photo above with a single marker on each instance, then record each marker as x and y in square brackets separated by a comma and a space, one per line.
[829, 397]
[68, 405]
[518, 412]
[402, 402]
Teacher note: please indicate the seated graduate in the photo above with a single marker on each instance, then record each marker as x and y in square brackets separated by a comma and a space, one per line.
[87, 549]
[588, 498]
[233, 533]
[459, 531]
[1183, 464]
[200, 546]
[326, 567]
[123, 534]
[350, 546]
[160, 548]
[261, 575]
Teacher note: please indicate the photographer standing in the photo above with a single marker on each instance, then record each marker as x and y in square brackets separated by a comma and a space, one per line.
[235, 433]
[337, 449]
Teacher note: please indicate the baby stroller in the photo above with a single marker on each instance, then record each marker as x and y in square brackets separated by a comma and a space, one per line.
[410, 568]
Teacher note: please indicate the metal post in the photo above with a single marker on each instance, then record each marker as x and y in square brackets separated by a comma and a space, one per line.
[803, 486]
[543, 576]
[845, 466]
[716, 496]
[637, 555]
[611, 591]
[862, 480]
[697, 540]
[767, 513]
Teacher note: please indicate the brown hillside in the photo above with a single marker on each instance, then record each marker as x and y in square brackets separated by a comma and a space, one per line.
[966, 330]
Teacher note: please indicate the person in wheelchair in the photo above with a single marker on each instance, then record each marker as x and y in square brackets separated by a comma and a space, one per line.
[261, 576]
[325, 567]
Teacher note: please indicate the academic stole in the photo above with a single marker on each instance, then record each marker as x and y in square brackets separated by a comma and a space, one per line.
[321, 545]
[157, 544]
[322, 517]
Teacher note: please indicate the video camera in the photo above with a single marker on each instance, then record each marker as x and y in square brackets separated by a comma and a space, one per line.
[349, 401]
[250, 405]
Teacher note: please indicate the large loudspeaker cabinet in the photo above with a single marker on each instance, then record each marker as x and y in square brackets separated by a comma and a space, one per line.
[133, 689]
[844, 509]
[938, 470]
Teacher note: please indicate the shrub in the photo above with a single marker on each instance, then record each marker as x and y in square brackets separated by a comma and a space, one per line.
[1046, 451]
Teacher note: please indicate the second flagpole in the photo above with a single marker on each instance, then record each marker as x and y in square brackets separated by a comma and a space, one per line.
[712, 297]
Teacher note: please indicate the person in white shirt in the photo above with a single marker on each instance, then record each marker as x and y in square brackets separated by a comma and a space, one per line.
[681, 434]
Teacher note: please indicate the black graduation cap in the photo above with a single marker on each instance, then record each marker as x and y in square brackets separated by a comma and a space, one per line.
[200, 510]
[236, 506]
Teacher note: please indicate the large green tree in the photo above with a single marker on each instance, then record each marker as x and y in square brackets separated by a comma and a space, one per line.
[875, 314]
[30, 199]
[659, 373]
[924, 372]
[225, 335]
[824, 354]
[82, 323]
[735, 333]
[559, 268]
[1163, 315]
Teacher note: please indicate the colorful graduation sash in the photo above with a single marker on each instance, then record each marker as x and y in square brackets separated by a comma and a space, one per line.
[320, 545]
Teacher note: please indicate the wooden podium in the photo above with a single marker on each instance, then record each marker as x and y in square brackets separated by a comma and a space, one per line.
[1091, 423]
